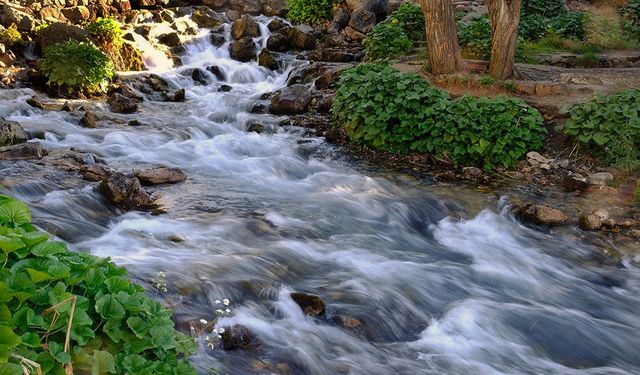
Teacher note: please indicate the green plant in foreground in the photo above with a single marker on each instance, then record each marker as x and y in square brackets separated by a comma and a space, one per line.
[61, 309]
[386, 41]
[106, 32]
[11, 36]
[611, 125]
[311, 11]
[77, 66]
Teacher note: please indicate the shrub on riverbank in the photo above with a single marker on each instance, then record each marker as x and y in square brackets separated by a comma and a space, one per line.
[396, 35]
[609, 125]
[10, 36]
[380, 107]
[61, 310]
[106, 32]
[311, 11]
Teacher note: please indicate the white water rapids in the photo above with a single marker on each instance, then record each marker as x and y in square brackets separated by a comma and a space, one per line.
[437, 289]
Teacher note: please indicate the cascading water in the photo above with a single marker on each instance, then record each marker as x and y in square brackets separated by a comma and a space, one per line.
[425, 286]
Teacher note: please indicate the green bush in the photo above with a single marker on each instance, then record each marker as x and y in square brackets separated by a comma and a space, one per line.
[545, 8]
[410, 18]
[311, 11]
[11, 36]
[380, 107]
[570, 25]
[77, 67]
[51, 297]
[106, 32]
[609, 125]
[533, 27]
[475, 37]
[632, 18]
[386, 41]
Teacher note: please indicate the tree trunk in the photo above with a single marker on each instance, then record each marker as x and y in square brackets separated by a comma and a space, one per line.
[442, 39]
[505, 18]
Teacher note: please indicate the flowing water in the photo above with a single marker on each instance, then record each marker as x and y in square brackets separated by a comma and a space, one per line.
[435, 280]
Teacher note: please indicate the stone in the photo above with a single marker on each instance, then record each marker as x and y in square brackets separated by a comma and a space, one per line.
[238, 337]
[11, 133]
[22, 17]
[266, 59]
[634, 233]
[590, 221]
[125, 192]
[171, 39]
[353, 34]
[121, 104]
[225, 88]
[243, 50]
[177, 96]
[301, 39]
[256, 127]
[363, 20]
[541, 215]
[576, 182]
[609, 223]
[276, 24]
[291, 100]
[59, 33]
[77, 14]
[23, 151]
[329, 77]
[536, 160]
[134, 123]
[130, 92]
[627, 223]
[160, 176]
[51, 14]
[244, 27]
[96, 172]
[208, 19]
[90, 119]
[333, 136]
[601, 178]
[309, 303]
[471, 173]
[278, 42]
[217, 39]
[199, 76]
[217, 71]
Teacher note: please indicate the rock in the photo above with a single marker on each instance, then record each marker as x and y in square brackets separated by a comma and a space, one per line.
[238, 337]
[36, 102]
[537, 160]
[256, 127]
[601, 178]
[576, 182]
[96, 172]
[609, 223]
[590, 221]
[301, 39]
[160, 176]
[291, 100]
[130, 92]
[634, 233]
[325, 103]
[217, 71]
[471, 173]
[309, 303]
[217, 39]
[375, 6]
[177, 96]
[602, 213]
[627, 223]
[329, 77]
[276, 24]
[199, 76]
[244, 27]
[353, 34]
[11, 133]
[121, 104]
[125, 192]
[23, 151]
[171, 39]
[341, 17]
[90, 119]
[243, 50]
[278, 42]
[22, 17]
[76, 14]
[59, 33]
[363, 20]
[225, 88]
[333, 136]
[134, 123]
[541, 215]
[266, 59]
[208, 19]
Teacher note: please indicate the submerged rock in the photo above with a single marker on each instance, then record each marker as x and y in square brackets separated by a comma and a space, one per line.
[160, 175]
[576, 182]
[90, 120]
[11, 133]
[124, 191]
[23, 151]
[541, 215]
[121, 104]
[309, 303]
[239, 337]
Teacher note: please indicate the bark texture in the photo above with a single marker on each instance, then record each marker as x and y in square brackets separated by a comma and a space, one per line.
[505, 18]
[442, 39]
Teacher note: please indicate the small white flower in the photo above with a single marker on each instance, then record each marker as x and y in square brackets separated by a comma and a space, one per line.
[215, 331]
[203, 321]
[217, 302]
[225, 301]
[221, 330]
[207, 338]
[219, 312]
[219, 336]
[227, 311]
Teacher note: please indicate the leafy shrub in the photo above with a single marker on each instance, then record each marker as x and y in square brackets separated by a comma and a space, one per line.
[380, 107]
[60, 308]
[569, 25]
[533, 27]
[610, 125]
[312, 11]
[475, 37]
[38, 29]
[106, 32]
[386, 40]
[410, 18]
[632, 18]
[76, 66]
[11, 36]
[545, 8]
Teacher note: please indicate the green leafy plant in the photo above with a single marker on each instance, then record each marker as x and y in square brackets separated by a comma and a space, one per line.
[106, 32]
[410, 18]
[62, 311]
[11, 36]
[569, 25]
[38, 29]
[610, 125]
[311, 11]
[77, 67]
[632, 18]
[475, 37]
[380, 107]
[545, 8]
[486, 80]
[385, 41]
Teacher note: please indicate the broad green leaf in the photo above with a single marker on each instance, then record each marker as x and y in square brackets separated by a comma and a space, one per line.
[48, 248]
[31, 339]
[162, 337]
[10, 368]
[15, 212]
[102, 363]
[38, 276]
[109, 308]
[8, 338]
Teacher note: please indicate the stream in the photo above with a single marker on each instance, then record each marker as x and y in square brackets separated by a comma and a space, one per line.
[431, 279]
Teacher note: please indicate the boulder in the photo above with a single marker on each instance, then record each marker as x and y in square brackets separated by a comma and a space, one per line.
[77, 14]
[90, 120]
[363, 20]
[601, 178]
[541, 215]
[199, 76]
[217, 71]
[23, 151]
[206, 18]
[266, 59]
[96, 172]
[61, 32]
[590, 221]
[171, 39]
[177, 96]
[309, 303]
[354, 34]
[125, 192]
[329, 77]
[301, 38]
[11, 133]
[121, 104]
[246, 26]
[160, 176]
[243, 50]
[291, 100]
[276, 24]
[51, 14]
[576, 182]
[278, 42]
[22, 17]
[238, 337]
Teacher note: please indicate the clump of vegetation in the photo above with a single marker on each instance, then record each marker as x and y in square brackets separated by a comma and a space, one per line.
[380, 107]
[65, 312]
[632, 18]
[10, 36]
[610, 125]
[544, 8]
[311, 11]
[106, 32]
[41, 27]
[410, 18]
[475, 37]
[77, 67]
[386, 41]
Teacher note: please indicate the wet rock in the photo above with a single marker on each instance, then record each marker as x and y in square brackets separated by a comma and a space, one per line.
[171, 39]
[601, 178]
[609, 223]
[11, 133]
[217, 39]
[291, 100]
[266, 59]
[329, 77]
[243, 50]
[160, 176]
[199, 76]
[244, 27]
[309, 303]
[59, 33]
[590, 221]
[76, 14]
[130, 92]
[67, 107]
[177, 96]
[217, 71]
[125, 192]
[278, 42]
[37, 102]
[276, 25]
[23, 151]
[225, 88]
[134, 123]
[576, 182]
[185, 27]
[362, 20]
[354, 34]
[239, 337]
[627, 223]
[96, 172]
[634, 233]
[90, 119]
[301, 39]
[121, 104]
[207, 19]
[256, 127]
[541, 215]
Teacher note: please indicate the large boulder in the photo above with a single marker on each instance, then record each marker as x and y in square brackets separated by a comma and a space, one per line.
[301, 38]
[246, 26]
[362, 20]
[243, 50]
[541, 215]
[205, 17]
[11, 133]
[160, 176]
[21, 16]
[291, 100]
[121, 104]
[124, 191]
[77, 14]
[23, 151]
[266, 59]
[61, 32]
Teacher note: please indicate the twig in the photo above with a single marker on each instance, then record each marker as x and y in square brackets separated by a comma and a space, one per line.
[68, 368]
